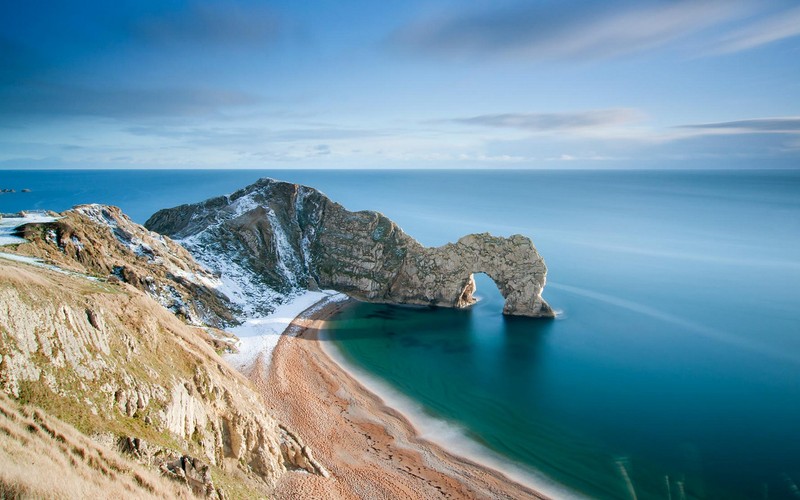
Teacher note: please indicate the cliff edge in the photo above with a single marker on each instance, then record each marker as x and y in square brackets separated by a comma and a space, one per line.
[103, 328]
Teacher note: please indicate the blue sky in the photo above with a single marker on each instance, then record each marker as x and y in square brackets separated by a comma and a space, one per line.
[435, 84]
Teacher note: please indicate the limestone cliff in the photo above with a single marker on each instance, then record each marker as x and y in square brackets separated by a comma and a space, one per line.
[284, 237]
[101, 241]
[97, 348]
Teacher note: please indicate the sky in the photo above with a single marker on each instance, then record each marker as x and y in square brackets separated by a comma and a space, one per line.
[414, 84]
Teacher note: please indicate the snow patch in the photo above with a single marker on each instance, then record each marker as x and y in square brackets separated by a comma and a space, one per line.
[39, 263]
[77, 243]
[8, 225]
[264, 312]
[237, 283]
[283, 248]
[305, 243]
[97, 214]
[259, 335]
[202, 279]
[100, 215]
[243, 205]
[20, 258]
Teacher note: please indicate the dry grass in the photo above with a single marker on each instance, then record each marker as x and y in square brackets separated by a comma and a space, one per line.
[41, 457]
[36, 464]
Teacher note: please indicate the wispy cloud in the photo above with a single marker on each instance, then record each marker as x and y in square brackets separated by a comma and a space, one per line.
[778, 125]
[63, 100]
[731, 144]
[546, 122]
[243, 136]
[570, 29]
[209, 24]
[772, 29]
[73, 67]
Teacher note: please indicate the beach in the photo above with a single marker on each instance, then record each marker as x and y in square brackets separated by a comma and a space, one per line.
[370, 449]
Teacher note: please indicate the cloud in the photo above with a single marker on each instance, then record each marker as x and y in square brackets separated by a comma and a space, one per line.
[326, 134]
[739, 145]
[202, 23]
[772, 29]
[778, 125]
[246, 136]
[545, 122]
[62, 100]
[565, 30]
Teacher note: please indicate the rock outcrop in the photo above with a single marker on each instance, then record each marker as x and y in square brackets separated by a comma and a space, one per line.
[284, 237]
[101, 241]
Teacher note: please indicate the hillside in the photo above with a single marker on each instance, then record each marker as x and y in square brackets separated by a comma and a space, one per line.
[108, 352]
[285, 237]
[44, 457]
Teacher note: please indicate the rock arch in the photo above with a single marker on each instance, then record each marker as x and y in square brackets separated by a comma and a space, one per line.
[444, 276]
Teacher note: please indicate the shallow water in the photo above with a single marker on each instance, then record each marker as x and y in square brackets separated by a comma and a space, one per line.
[675, 363]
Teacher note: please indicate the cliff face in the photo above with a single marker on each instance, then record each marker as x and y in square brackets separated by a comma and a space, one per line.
[91, 346]
[286, 237]
[101, 241]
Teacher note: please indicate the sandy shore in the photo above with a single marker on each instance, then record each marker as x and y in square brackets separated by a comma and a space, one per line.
[371, 450]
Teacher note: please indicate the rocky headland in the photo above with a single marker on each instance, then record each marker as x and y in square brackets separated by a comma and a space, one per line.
[285, 237]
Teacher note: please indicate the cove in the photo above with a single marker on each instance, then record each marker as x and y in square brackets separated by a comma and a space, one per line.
[530, 390]
[674, 368]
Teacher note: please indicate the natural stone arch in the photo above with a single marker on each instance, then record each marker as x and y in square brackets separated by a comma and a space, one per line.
[467, 297]
[473, 285]
[444, 276]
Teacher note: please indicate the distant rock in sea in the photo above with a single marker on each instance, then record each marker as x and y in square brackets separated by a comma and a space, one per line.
[287, 237]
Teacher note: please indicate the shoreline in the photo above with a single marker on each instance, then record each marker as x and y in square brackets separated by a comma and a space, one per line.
[370, 448]
[450, 437]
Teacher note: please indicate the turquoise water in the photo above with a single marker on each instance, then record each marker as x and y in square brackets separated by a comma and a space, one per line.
[675, 362]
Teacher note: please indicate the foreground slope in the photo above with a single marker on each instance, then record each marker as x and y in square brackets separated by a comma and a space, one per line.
[106, 357]
[44, 457]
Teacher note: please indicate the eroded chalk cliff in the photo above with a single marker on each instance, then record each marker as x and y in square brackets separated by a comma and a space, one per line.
[107, 334]
[101, 241]
[285, 237]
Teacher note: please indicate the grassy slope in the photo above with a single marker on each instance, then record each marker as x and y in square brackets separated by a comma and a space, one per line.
[43, 457]
[146, 342]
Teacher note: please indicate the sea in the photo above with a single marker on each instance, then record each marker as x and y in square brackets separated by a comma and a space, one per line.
[673, 368]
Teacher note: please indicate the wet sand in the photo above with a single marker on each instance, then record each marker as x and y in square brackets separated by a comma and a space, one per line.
[370, 450]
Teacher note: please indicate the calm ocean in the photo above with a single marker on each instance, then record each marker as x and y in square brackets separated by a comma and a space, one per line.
[674, 368]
